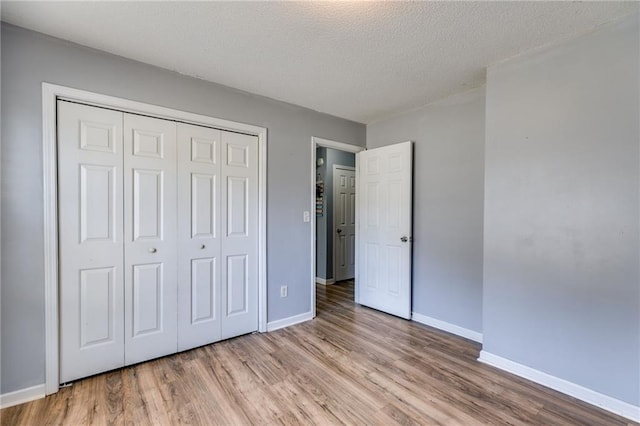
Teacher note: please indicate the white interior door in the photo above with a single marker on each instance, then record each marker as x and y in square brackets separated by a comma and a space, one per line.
[384, 228]
[344, 222]
[199, 288]
[239, 236]
[150, 238]
[91, 229]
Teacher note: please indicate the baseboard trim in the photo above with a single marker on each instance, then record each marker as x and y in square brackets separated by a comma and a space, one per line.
[286, 322]
[325, 281]
[21, 396]
[592, 397]
[448, 327]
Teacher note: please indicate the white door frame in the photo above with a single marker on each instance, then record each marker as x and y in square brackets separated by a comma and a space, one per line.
[337, 167]
[50, 94]
[327, 143]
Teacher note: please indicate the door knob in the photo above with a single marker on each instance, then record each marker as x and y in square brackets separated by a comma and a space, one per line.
[339, 231]
[404, 239]
[153, 250]
[202, 247]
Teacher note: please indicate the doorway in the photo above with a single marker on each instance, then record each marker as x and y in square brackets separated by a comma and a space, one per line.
[333, 168]
[382, 234]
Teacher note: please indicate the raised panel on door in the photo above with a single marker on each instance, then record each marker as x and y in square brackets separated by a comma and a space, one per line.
[147, 292]
[90, 240]
[237, 285]
[148, 208]
[384, 275]
[239, 234]
[150, 238]
[97, 194]
[97, 293]
[199, 265]
[203, 295]
[344, 193]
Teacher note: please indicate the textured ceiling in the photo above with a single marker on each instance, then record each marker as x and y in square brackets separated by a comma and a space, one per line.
[358, 60]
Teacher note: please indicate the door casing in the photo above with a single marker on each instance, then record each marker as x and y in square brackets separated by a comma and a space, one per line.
[50, 94]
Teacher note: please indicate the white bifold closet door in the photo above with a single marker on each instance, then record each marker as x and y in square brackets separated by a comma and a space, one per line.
[91, 260]
[218, 235]
[239, 240]
[158, 231]
[198, 236]
[150, 280]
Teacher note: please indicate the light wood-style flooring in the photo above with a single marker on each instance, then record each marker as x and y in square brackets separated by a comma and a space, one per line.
[351, 365]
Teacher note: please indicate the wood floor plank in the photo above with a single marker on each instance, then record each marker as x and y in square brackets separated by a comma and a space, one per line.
[350, 365]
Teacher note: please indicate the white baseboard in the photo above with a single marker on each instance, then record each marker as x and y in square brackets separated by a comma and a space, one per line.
[21, 396]
[448, 327]
[605, 402]
[325, 281]
[286, 322]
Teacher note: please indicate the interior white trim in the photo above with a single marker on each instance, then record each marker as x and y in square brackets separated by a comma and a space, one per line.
[50, 190]
[605, 402]
[325, 281]
[315, 143]
[286, 322]
[356, 288]
[262, 230]
[341, 146]
[447, 326]
[50, 94]
[21, 396]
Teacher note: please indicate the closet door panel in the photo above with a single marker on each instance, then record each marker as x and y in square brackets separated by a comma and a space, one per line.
[90, 240]
[150, 238]
[198, 236]
[239, 239]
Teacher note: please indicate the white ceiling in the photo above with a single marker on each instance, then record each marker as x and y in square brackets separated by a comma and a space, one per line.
[358, 60]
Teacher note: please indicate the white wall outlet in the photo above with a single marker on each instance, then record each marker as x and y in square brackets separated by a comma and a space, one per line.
[306, 216]
[283, 291]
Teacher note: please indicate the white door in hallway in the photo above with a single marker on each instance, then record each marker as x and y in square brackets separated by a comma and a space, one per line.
[91, 228]
[150, 238]
[384, 228]
[344, 222]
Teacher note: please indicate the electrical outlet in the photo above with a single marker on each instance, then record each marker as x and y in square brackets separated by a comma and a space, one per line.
[283, 291]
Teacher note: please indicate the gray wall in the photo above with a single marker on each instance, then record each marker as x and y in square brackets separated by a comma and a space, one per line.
[447, 204]
[561, 277]
[325, 254]
[28, 59]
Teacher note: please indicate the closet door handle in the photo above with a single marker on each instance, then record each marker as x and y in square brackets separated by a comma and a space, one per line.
[153, 250]
[202, 247]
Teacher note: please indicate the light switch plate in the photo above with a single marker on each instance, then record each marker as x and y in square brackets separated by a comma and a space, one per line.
[306, 217]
